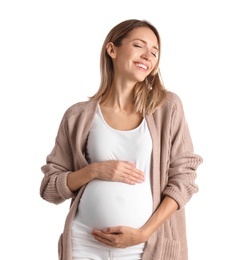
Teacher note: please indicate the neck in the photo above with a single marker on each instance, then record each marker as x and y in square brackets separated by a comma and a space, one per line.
[119, 98]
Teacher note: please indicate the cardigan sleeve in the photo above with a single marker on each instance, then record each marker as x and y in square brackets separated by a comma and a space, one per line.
[54, 187]
[183, 161]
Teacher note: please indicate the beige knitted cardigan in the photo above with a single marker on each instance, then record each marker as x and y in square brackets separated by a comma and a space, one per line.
[173, 172]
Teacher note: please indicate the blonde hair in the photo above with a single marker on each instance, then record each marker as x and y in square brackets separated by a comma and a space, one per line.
[148, 94]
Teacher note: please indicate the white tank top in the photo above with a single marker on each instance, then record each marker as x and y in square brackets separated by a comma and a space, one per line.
[104, 203]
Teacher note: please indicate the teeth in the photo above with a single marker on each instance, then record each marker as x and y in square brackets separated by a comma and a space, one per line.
[142, 66]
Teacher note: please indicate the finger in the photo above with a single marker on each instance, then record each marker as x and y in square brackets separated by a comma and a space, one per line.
[126, 172]
[132, 178]
[108, 233]
[112, 230]
[103, 240]
[108, 239]
[131, 170]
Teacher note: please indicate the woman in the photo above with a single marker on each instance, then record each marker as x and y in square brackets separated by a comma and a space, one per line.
[124, 158]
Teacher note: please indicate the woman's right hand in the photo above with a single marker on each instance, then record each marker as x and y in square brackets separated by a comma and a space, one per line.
[117, 171]
[112, 170]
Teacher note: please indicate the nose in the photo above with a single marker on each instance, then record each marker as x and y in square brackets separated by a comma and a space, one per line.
[147, 54]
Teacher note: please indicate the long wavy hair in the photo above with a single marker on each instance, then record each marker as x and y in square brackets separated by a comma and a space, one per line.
[148, 94]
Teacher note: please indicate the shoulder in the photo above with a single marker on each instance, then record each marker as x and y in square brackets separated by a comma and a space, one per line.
[80, 108]
[173, 99]
[171, 103]
[171, 107]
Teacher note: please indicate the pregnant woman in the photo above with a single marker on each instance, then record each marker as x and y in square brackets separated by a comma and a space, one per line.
[124, 158]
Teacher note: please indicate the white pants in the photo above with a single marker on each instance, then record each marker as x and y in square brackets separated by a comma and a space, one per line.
[85, 247]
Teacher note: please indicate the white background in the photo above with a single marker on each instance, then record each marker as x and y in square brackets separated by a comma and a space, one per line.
[49, 59]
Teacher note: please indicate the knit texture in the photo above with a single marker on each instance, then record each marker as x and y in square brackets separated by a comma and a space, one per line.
[173, 172]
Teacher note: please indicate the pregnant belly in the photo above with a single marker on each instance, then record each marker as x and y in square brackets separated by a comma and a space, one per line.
[105, 204]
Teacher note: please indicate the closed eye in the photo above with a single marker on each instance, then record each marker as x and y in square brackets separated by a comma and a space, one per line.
[154, 54]
[137, 45]
[140, 46]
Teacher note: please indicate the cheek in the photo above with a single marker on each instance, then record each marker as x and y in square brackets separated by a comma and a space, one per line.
[155, 66]
[125, 60]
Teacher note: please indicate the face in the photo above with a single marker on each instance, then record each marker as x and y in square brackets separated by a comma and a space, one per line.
[137, 56]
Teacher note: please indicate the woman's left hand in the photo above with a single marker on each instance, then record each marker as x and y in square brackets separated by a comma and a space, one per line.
[119, 237]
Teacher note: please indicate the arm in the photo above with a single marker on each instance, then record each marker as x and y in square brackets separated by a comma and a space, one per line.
[180, 185]
[112, 170]
[163, 212]
[60, 182]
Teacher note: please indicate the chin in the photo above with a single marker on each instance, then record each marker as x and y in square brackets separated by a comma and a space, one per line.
[141, 80]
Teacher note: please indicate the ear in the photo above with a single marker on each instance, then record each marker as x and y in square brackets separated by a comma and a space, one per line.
[110, 48]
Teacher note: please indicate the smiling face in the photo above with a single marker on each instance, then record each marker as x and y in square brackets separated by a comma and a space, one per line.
[137, 55]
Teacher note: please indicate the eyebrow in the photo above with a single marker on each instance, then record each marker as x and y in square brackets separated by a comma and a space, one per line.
[155, 47]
